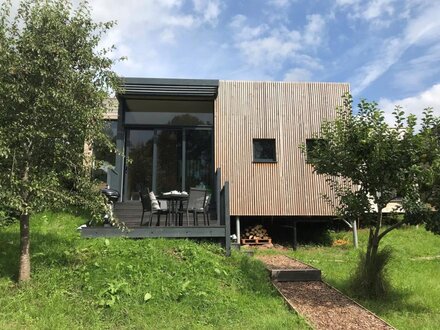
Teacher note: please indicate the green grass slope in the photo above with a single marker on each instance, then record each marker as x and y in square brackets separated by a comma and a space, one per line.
[132, 284]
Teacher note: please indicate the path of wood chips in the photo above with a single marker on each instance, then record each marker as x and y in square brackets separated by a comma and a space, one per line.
[323, 306]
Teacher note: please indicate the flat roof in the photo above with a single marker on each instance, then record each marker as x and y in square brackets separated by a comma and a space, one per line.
[169, 87]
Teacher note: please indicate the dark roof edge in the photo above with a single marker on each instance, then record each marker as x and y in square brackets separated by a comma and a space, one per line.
[169, 88]
[169, 81]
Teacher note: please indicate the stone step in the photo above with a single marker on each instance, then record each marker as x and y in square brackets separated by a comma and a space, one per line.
[295, 275]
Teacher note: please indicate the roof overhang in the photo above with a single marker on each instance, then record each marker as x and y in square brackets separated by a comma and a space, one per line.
[169, 88]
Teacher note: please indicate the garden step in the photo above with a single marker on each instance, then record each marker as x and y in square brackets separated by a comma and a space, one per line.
[295, 275]
[284, 269]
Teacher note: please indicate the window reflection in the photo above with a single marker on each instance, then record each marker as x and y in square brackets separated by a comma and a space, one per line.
[169, 160]
[264, 150]
[105, 158]
[140, 167]
[169, 112]
[168, 118]
[198, 159]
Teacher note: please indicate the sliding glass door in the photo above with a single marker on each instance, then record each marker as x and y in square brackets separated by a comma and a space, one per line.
[198, 158]
[168, 159]
[139, 167]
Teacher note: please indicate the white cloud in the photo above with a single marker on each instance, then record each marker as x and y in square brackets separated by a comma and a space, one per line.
[377, 14]
[209, 9]
[272, 49]
[314, 30]
[298, 74]
[274, 45]
[420, 30]
[371, 10]
[377, 8]
[392, 50]
[347, 2]
[415, 73]
[281, 3]
[245, 32]
[153, 14]
[414, 104]
[148, 31]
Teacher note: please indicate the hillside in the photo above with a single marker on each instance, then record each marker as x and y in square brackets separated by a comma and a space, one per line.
[138, 284]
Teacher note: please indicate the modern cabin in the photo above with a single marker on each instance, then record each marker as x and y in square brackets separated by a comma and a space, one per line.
[182, 133]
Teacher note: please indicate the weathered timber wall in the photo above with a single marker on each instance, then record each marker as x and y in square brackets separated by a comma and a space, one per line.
[290, 113]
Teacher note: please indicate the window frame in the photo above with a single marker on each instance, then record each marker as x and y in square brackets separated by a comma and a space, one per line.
[310, 145]
[264, 160]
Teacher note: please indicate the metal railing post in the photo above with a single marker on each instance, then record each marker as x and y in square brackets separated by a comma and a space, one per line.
[227, 219]
[218, 173]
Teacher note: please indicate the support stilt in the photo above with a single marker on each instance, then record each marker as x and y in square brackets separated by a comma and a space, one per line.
[355, 234]
[237, 228]
[295, 241]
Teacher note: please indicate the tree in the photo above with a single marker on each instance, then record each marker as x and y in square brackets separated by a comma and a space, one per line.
[368, 164]
[53, 81]
[428, 147]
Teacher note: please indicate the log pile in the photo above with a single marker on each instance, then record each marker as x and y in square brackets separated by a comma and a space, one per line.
[255, 235]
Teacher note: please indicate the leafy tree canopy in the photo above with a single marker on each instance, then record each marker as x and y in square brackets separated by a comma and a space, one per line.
[54, 78]
[368, 163]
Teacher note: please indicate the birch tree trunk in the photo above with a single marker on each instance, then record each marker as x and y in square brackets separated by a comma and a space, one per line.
[25, 260]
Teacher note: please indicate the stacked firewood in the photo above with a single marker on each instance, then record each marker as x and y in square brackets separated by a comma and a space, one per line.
[255, 232]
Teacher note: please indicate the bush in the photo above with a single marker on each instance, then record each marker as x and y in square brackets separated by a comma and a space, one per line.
[370, 280]
[7, 216]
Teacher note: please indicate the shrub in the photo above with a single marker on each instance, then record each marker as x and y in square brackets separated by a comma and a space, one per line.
[7, 216]
[370, 279]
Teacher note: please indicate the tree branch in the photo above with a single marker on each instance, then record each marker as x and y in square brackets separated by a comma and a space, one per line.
[386, 231]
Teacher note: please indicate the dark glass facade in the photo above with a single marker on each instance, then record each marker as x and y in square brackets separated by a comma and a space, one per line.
[168, 144]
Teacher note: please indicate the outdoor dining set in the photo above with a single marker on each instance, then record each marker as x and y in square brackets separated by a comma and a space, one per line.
[176, 206]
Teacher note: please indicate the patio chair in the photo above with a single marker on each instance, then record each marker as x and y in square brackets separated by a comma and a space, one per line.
[151, 204]
[195, 204]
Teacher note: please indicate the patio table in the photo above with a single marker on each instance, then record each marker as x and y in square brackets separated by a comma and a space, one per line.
[175, 201]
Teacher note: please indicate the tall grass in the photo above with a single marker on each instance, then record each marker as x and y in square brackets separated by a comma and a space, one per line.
[370, 279]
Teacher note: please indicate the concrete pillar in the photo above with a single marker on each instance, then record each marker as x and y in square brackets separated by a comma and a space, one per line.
[355, 234]
[237, 228]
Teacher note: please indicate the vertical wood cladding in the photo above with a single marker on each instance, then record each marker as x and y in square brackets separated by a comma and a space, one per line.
[289, 113]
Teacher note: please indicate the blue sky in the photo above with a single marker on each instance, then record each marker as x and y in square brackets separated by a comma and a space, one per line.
[388, 50]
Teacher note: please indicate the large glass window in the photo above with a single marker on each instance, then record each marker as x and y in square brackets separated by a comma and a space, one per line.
[311, 145]
[140, 144]
[102, 153]
[168, 112]
[174, 149]
[104, 157]
[198, 165]
[169, 160]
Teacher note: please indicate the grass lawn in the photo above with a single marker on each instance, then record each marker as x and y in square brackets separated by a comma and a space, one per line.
[414, 272]
[132, 284]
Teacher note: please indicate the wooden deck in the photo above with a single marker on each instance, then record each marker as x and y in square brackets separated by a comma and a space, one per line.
[144, 232]
[130, 213]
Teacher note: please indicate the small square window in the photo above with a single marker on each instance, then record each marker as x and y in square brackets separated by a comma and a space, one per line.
[311, 145]
[264, 150]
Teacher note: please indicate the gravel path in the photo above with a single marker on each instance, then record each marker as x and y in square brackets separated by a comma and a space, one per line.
[323, 306]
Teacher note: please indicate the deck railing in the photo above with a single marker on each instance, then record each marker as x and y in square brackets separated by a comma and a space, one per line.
[225, 216]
